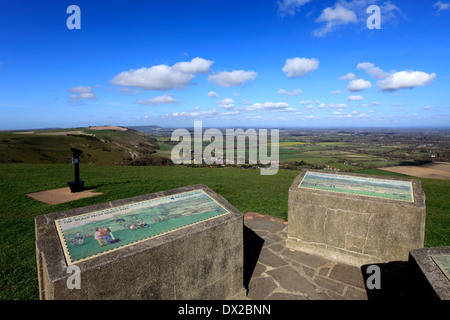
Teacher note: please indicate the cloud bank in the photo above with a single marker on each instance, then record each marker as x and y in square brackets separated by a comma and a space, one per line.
[163, 77]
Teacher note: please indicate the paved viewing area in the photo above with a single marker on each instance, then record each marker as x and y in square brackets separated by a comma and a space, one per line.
[273, 271]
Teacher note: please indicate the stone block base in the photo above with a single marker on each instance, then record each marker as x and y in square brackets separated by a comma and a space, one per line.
[352, 228]
[199, 261]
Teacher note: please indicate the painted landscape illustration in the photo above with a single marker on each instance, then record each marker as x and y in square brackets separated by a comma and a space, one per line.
[382, 188]
[96, 233]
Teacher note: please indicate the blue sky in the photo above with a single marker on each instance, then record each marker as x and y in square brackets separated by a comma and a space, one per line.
[286, 63]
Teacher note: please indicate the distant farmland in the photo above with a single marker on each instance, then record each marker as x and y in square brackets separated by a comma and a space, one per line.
[436, 170]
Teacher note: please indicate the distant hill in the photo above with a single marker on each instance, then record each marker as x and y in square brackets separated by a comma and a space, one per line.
[100, 145]
[153, 130]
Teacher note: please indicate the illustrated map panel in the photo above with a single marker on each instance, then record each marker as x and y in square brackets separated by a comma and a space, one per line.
[90, 235]
[443, 262]
[366, 186]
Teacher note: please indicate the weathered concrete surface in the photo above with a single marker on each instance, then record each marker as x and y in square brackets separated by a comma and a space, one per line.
[355, 229]
[429, 281]
[202, 261]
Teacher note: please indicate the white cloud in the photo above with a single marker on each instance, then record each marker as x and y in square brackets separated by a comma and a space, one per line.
[355, 98]
[226, 103]
[365, 65]
[288, 110]
[442, 6]
[306, 102]
[89, 95]
[358, 85]
[334, 17]
[331, 105]
[348, 76]
[253, 117]
[352, 12]
[299, 67]
[290, 7]
[295, 92]
[230, 113]
[163, 77]
[81, 90]
[337, 105]
[165, 99]
[233, 78]
[160, 77]
[194, 114]
[336, 92]
[128, 91]
[82, 93]
[389, 11]
[195, 66]
[428, 107]
[406, 80]
[370, 68]
[213, 94]
[268, 106]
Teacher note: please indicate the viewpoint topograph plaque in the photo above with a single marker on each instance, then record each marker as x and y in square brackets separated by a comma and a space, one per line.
[355, 218]
[93, 234]
[184, 243]
[364, 186]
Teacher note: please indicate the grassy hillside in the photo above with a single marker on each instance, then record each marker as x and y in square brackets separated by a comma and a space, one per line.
[99, 146]
[245, 189]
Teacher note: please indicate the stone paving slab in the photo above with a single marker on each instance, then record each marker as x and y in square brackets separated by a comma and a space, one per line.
[283, 273]
[273, 271]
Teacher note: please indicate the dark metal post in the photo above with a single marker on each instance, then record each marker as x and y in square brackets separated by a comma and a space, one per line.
[77, 172]
[77, 185]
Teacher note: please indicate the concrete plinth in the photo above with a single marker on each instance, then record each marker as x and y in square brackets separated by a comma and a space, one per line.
[427, 279]
[201, 260]
[365, 221]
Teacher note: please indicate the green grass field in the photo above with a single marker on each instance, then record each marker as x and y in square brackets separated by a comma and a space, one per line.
[245, 189]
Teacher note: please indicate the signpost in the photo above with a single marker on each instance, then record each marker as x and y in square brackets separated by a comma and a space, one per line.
[77, 185]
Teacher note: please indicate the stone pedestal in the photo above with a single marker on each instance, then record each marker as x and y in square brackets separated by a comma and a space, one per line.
[355, 219]
[187, 259]
[427, 273]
